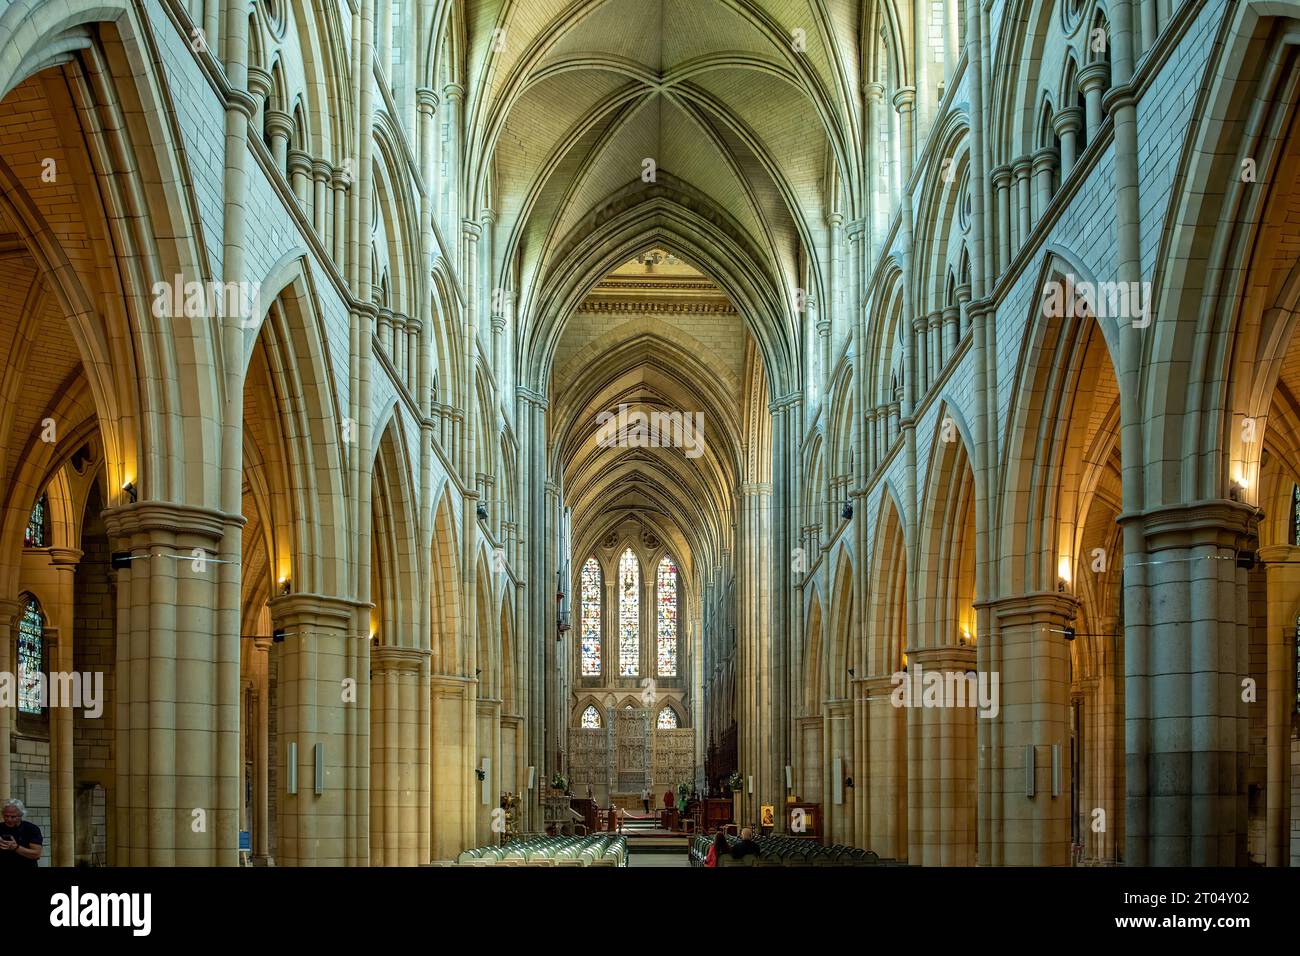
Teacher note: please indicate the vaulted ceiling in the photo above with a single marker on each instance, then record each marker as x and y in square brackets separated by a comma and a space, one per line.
[745, 109]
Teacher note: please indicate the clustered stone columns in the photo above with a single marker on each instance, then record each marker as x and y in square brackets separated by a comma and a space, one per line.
[177, 689]
[934, 342]
[941, 753]
[1186, 649]
[320, 178]
[1029, 756]
[399, 756]
[323, 672]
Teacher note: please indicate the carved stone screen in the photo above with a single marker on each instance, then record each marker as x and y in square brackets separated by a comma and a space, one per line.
[674, 758]
[632, 745]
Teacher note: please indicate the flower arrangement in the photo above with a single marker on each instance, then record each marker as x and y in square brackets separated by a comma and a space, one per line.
[735, 781]
[559, 782]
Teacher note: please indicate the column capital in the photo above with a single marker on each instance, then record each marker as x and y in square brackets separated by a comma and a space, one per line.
[756, 488]
[454, 92]
[856, 230]
[67, 558]
[905, 99]
[1045, 158]
[1279, 554]
[1001, 176]
[1069, 120]
[167, 520]
[426, 100]
[300, 162]
[471, 230]
[1217, 522]
[526, 394]
[321, 170]
[310, 611]
[1093, 76]
[341, 179]
[948, 657]
[279, 122]
[259, 81]
[243, 101]
[1032, 607]
[1117, 97]
[875, 92]
[962, 292]
[387, 657]
[1022, 166]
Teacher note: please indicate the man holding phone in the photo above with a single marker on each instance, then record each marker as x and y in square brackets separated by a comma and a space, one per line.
[20, 841]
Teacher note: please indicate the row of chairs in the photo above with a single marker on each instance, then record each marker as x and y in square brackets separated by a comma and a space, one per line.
[789, 851]
[542, 850]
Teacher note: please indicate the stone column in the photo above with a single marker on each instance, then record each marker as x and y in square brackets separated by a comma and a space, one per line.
[340, 181]
[280, 125]
[1021, 169]
[940, 763]
[386, 331]
[934, 340]
[259, 85]
[1282, 563]
[396, 781]
[951, 330]
[753, 635]
[320, 177]
[1067, 124]
[963, 300]
[174, 770]
[904, 102]
[1044, 166]
[1185, 653]
[922, 357]
[314, 661]
[878, 176]
[262, 769]
[1030, 815]
[1002, 187]
[894, 426]
[62, 779]
[1093, 80]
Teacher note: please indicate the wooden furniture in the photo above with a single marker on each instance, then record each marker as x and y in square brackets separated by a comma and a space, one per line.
[588, 810]
[717, 813]
[806, 823]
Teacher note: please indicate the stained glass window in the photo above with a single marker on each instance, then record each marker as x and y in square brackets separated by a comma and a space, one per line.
[1295, 514]
[666, 587]
[591, 719]
[590, 618]
[35, 534]
[31, 638]
[667, 719]
[629, 615]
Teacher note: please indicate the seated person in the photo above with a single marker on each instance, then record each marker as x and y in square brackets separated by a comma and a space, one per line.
[746, 845]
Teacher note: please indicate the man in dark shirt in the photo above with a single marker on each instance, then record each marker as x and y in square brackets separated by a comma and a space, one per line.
[20, 841]
[745, 846]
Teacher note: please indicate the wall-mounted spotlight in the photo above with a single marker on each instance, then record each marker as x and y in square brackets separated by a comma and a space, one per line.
[1069, 633]
[121, 560]
[277, 636]
[129, 488]
[1246, 560]
[850, 671]
[847, 513]
[481, 511]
